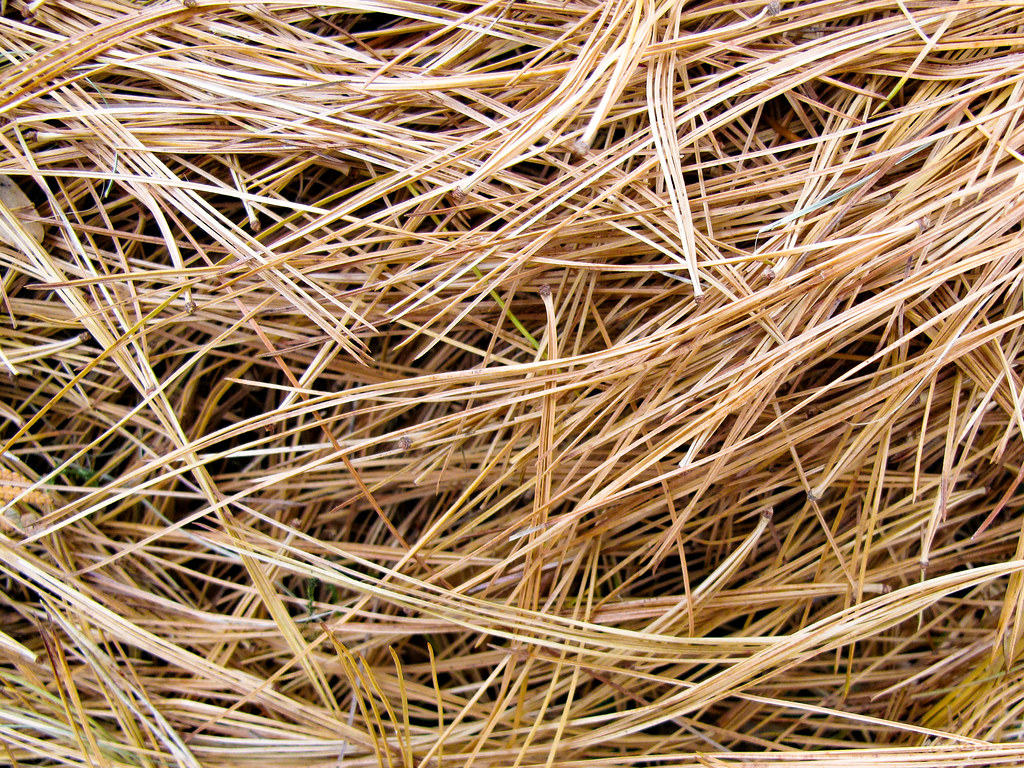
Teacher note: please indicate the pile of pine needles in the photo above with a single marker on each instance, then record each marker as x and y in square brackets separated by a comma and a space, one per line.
[513, 383]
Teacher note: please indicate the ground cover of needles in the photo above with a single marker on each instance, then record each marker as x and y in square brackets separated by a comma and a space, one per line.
[586, 383]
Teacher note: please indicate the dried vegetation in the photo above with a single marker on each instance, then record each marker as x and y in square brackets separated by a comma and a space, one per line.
[577, 383]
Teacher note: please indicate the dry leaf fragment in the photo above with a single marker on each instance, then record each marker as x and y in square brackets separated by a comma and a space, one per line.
[12, 196]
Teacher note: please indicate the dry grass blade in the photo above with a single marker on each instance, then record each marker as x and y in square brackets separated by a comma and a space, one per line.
[512, 384]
